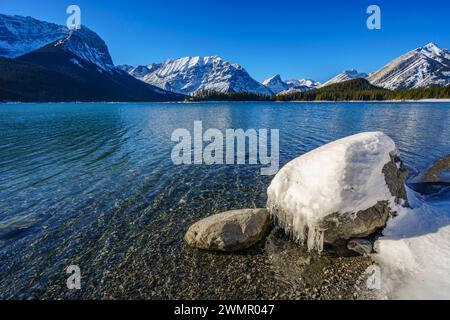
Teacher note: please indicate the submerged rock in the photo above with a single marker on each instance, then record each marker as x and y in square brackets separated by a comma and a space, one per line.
[362, 246]
[438, 172]
[229, 231]
[435, 179]
[345, 189]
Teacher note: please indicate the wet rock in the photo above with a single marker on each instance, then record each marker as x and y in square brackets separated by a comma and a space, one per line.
[362, 246]
[436, 173]
[229, 231]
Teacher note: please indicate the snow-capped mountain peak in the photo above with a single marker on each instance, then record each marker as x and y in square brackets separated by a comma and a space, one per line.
[345, 76]
[423, 67]
[433, 51]
[275, 78]
[276, 84]
[188, 75]
[21, 35]
[309, 83]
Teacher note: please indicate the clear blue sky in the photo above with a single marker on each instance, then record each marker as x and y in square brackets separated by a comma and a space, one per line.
[297, 39]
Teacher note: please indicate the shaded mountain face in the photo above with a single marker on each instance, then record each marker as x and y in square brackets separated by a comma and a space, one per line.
[75, 67]
[423, 67]
[52, 74]
[345, 76]
[195, 74]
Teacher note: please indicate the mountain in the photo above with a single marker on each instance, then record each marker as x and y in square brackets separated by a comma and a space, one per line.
[306, 83]
[20, 35]
[75, 67]
[195, 74]
[423, 67]
[356, 84]
[275, 84]
[353, 89]
[301, 85]
[345, 76]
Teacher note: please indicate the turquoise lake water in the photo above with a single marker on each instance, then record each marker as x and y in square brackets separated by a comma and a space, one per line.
[94, 185]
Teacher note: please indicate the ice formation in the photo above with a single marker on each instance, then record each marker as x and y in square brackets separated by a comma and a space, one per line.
[344, 177]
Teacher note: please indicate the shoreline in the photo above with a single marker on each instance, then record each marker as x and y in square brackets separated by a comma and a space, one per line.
[211, 101]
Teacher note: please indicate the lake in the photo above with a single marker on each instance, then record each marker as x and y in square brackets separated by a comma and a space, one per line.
[94, 185]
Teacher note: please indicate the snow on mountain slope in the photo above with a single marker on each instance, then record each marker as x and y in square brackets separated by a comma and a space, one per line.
[300, 86]
[21, 35]
[87, 45]
[195, 74]
[345, 76]
[425, 66]
[308, 83]
[275, 84]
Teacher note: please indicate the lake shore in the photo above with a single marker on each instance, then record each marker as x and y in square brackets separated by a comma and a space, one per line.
[249, 101]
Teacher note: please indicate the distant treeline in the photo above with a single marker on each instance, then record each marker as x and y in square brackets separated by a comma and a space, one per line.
[352, 90]
[211, 95]
[362, 90]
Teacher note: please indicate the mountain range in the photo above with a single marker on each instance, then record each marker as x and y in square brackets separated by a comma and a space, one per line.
[41, 61]
[277, 85]
[193, 74]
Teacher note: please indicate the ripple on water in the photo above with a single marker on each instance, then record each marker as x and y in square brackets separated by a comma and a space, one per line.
[93, 184]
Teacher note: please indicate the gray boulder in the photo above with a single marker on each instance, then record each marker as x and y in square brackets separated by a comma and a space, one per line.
[229, 231]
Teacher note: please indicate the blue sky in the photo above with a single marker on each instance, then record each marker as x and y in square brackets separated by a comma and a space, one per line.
[297, 39]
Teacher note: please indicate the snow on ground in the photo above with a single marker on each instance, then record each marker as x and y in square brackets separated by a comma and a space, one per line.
[414, 253]
[343, 176]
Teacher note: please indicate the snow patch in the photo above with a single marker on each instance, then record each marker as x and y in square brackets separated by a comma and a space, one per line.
[414, 253]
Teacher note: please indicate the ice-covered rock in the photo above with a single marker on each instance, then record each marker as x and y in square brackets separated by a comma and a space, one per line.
[345, 189]
[229, 231]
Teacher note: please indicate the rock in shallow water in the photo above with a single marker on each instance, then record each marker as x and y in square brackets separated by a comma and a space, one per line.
[229, 231]
[437, 172]
[345, 189]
